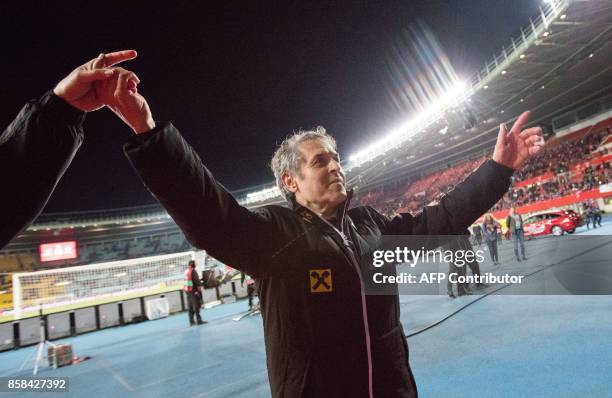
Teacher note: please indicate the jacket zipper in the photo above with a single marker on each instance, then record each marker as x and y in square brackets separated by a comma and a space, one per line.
[353, 260]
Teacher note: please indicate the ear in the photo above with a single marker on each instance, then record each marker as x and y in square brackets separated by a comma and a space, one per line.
[290, 182]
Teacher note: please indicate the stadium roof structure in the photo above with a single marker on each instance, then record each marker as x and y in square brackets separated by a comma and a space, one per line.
[557, 63]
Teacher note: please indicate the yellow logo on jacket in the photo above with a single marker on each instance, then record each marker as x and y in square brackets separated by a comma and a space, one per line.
[320, 280]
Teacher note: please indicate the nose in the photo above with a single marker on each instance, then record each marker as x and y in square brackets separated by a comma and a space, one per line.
[334, 166]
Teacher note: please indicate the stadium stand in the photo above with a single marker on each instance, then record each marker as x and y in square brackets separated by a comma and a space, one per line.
[578, 161]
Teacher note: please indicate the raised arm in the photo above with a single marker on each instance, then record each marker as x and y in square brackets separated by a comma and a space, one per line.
[206, 212]
[37, 147]
[208, 215]
[478, 192]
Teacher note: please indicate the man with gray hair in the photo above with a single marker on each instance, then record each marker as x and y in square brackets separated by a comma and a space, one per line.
[324, 336]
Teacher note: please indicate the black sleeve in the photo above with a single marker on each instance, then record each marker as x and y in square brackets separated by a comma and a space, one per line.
[195, 278]
[206, 212]
[35, 150]
[457, 210]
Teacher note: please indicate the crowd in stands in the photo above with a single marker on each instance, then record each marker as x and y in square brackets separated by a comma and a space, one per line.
[557, 158]
[560, 185]
[412, 196]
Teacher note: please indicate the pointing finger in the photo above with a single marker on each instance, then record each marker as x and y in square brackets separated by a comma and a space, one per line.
[119, 56]
[520, 122]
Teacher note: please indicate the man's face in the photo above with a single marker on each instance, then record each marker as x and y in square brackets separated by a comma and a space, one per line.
[321, 179]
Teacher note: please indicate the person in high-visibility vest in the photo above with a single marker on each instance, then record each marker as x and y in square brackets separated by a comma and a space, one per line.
[193, 290]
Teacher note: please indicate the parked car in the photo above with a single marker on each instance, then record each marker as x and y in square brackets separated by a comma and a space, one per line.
[553, 222]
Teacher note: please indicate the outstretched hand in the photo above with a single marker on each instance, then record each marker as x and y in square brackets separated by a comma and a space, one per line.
[78, 88]
[515, 147]
[121, 96]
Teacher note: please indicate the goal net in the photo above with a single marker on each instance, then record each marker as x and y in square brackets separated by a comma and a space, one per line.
[72, 287]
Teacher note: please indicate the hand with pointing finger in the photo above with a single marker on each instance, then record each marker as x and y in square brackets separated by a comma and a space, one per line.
[78, 88]
[515, 147]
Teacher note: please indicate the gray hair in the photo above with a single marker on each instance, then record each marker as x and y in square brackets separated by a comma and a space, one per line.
[288, 158]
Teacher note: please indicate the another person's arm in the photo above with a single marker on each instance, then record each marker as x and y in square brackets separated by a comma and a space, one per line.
[37, 147]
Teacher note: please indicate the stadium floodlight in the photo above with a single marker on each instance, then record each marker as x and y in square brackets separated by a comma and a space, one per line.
[453, 97]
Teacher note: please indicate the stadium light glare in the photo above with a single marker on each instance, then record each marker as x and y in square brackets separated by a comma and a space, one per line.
[563, 16]
[522, 56]
[503, 72]
[261, 195]
[452, 97]
[486, 87]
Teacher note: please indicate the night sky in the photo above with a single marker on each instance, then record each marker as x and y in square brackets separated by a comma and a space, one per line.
[235, 77]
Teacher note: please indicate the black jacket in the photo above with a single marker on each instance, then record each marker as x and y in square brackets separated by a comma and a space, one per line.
[324, 337]
[35, 150]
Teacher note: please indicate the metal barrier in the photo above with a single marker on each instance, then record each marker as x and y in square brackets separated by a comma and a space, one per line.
[26, 332]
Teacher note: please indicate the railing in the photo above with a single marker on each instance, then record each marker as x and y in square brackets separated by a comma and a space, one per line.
[529, 35]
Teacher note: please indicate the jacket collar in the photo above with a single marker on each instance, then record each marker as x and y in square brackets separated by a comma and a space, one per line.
[310, 215]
